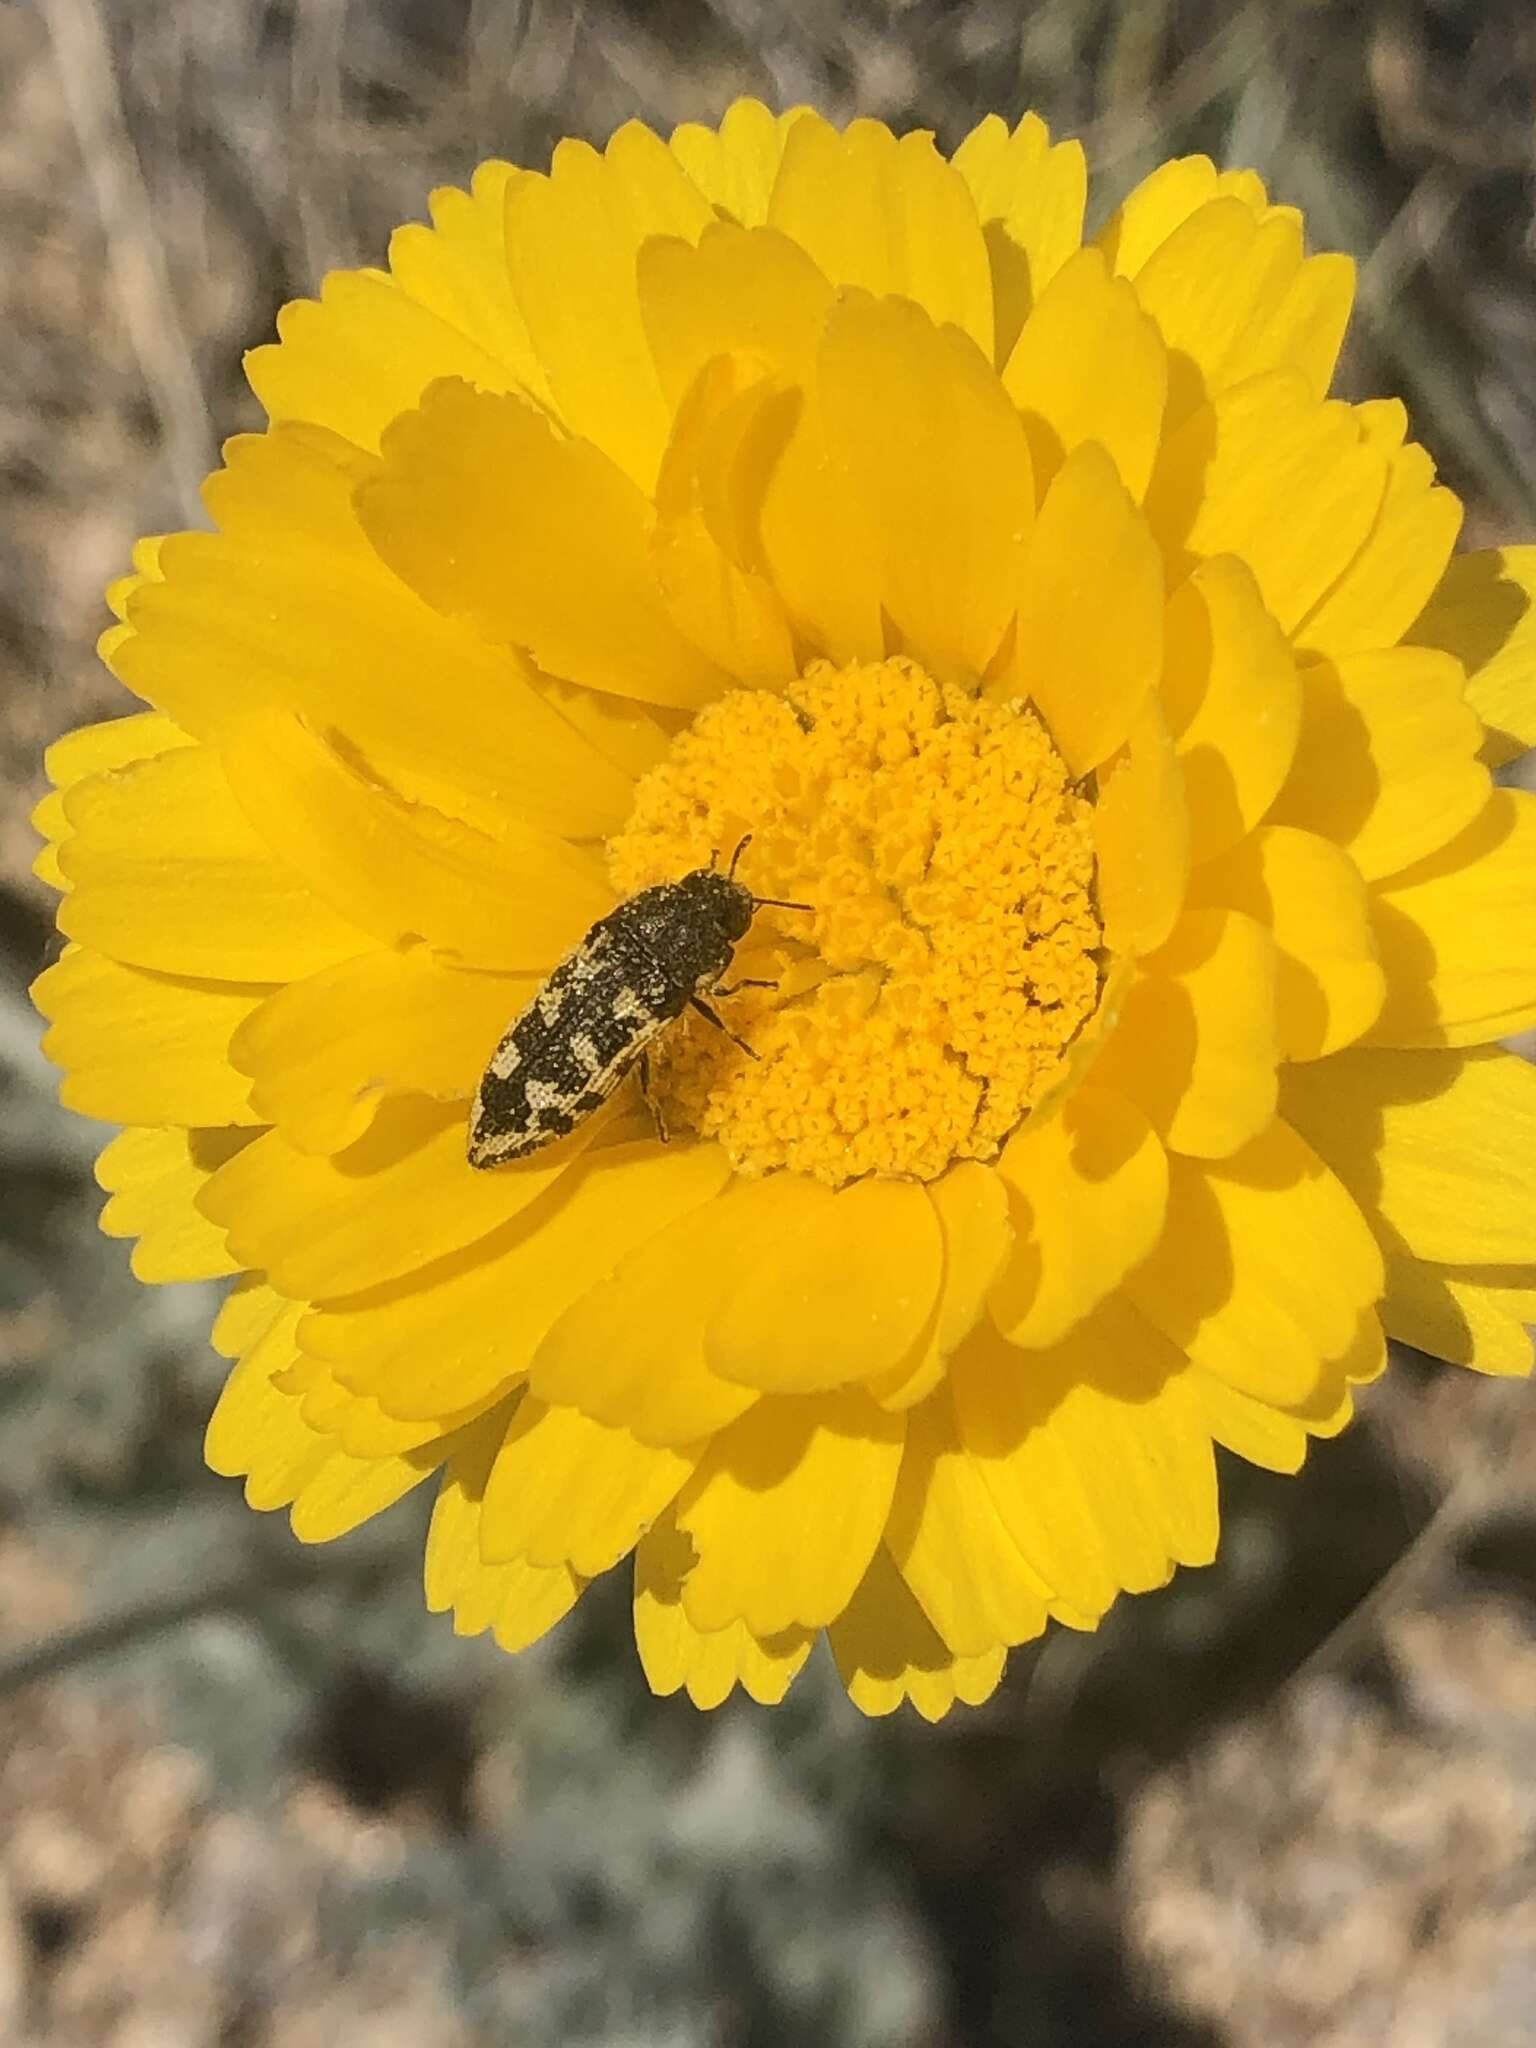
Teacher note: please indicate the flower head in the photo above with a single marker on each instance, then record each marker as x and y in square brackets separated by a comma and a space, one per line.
[1111, 698]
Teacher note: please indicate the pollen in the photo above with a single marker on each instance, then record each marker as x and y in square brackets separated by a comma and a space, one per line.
[951, 952]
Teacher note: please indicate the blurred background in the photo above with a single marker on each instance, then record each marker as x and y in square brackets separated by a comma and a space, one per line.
[253, 1797]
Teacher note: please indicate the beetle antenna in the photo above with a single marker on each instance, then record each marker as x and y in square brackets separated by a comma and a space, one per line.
[741, 846]
[778, 903]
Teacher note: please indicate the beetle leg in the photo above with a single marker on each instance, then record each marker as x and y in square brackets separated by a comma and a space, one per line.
[729, 988]
[650, 1101]
[720, 1024]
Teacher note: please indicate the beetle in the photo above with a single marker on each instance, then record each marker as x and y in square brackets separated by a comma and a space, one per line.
[660, 952]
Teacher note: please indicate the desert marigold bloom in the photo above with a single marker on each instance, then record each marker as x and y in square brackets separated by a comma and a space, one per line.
[1109, 693]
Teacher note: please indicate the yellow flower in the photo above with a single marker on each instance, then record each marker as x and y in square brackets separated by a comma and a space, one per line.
[1111, 697]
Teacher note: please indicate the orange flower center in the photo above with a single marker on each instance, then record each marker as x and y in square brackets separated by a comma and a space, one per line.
[951, 953]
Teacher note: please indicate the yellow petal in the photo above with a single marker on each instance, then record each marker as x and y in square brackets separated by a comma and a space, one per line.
[1266, 473]
[948, 501]
[1455, 1315]
[888, 1651]
[1327, 1410]
[399, 1198]
[1089, 365]
[1063, 1466]
[1143, 1413]
[1003, 1404]
[786, 1509]
[287, 492]
[1387, 761]
[154, 1178]
[572, 243]
[1029, 197]
[675, 1654]
[255, 1430]
[93, 750]
[971, 1203]
[49, 821]
[1387, 585]
[1330, 985]
[439, 1340]
[751, 291]
[1196, 1047]
[1456, 935]
[488, 513]
[145, 556]
[457, 269]
[1439, 1146]
[169, 875]
[402, 871]
[1232, 701]
[845, 1299]
[1234, 297]
[758, 292]
[247, 1312]
[735, 165]
[360, 356]
[621, 730]
[488, 745]
[1237, 1282]
[344, 1492]
[631, 1351]
[1214, 287]
[886, 214]
[813, 548]
[1329, 1405]
[1105, 1430]
[1305, 331]
[357, 1423]
[1141, 837]
[707, 499]
[1087, 1188]
[323, 1053]
[145, 1048]
[1090, 628]
[968, 1574]
[1265, 1436]
[565, 1490]
[258, 1428]
[1484, 612]
[519, 1601]
[1160, 205]
[1141, 1420]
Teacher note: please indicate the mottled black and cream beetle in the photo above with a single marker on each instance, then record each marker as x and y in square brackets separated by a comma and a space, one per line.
[636, 970]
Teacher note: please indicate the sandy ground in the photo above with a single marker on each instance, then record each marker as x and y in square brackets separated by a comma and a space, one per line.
[254, 1798]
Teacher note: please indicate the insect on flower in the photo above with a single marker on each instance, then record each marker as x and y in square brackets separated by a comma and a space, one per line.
[660, 952]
